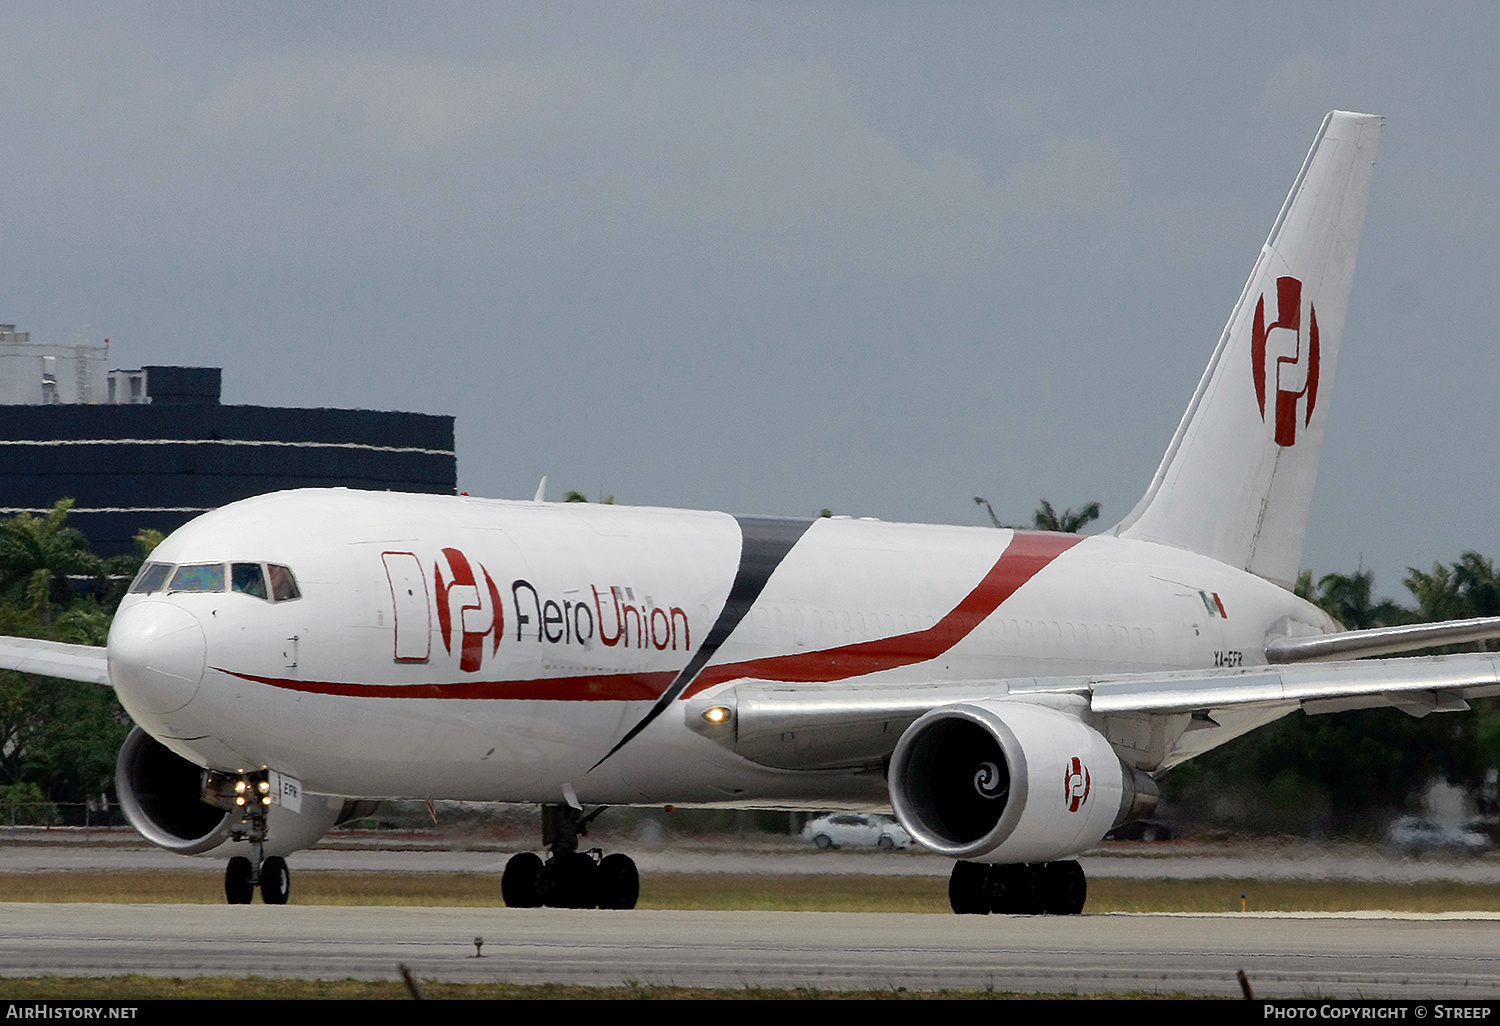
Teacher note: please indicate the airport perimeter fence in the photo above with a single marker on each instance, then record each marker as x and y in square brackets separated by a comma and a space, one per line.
[24, 817]
[61, 814]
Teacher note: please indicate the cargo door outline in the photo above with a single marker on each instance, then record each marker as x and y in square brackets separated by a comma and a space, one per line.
[411, 611]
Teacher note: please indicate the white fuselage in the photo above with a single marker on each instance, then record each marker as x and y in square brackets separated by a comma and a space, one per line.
[461, 648]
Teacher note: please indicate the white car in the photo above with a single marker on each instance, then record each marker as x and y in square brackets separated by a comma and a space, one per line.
[855, 828]
[1410, 835]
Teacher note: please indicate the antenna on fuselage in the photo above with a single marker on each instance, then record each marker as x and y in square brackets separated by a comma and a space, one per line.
[541, 491]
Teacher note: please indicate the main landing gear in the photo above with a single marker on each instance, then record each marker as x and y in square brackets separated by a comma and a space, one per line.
[569, 878]
[249, 794]
[1045, 888]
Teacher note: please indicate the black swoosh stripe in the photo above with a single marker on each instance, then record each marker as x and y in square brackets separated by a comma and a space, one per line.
[764, 543]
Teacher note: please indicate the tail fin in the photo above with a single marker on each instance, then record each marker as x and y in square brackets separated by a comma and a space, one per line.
[1236, 482]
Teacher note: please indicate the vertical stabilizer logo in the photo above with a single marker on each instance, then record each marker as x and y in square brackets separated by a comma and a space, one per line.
[1276, 352]
[475, 611]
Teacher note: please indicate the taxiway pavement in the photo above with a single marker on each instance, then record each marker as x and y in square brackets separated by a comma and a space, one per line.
[1369, 955]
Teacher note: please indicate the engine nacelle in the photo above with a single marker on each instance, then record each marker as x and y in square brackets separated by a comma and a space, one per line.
[1010, 781]
[160, 793]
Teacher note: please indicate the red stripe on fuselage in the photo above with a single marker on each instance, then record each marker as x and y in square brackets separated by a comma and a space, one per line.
[1027, 554]
[602, 687]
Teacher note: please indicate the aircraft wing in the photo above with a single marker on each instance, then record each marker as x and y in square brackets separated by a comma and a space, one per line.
[1417, 685]
[1154, 720]
[85, 663]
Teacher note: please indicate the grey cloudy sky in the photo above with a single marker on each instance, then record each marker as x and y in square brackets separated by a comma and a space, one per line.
[771, 257]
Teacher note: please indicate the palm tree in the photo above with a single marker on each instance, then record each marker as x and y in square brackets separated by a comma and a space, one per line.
[1349, 599]
[1475, 577]
[39, 554]
[1463, 589]
[1437, 593]
[1070, 522]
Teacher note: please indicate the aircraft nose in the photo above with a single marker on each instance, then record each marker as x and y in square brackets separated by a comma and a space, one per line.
[156, 656]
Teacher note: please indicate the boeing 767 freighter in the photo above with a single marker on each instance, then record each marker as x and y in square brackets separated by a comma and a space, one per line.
[1011, 695]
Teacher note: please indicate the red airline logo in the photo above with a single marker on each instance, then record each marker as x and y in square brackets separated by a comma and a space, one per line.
[1076, 784]
[1296, 378]
[476, 612]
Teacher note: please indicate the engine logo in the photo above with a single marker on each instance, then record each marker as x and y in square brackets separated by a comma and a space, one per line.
[1076, 784]
[1296, 372]
[989, 781]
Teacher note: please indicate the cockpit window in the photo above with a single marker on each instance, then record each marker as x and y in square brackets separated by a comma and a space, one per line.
[283, 584]
[246, 577]
[198, 577]
[269, 581]
[151, 578]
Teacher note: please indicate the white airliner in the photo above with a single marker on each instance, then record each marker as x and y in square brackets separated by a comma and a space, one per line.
[1009, 694]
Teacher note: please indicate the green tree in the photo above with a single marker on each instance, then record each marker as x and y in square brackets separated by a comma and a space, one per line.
[1466, 588]
[1437, 593]
[26, 804]
[60, 737]
[1314, 774]
[1350, 771]
[1349, 599]
[1475, 577]
[1069, 521]
[38, 555]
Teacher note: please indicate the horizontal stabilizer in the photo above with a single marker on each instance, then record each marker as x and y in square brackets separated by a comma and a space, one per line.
[1383, 640]
[1317, 688]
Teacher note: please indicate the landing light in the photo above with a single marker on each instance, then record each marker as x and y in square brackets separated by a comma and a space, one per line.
[716, 714]
[237, 789]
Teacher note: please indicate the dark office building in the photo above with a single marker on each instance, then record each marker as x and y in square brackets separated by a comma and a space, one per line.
[156, 448]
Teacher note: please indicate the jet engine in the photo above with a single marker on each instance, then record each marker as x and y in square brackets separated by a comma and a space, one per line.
[161, 794]
[1011, 782]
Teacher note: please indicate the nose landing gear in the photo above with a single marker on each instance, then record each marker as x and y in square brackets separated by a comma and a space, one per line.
[274, 880]
[569, 878]
[249, 794]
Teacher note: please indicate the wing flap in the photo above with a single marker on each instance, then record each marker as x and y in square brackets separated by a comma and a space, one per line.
[86, 663]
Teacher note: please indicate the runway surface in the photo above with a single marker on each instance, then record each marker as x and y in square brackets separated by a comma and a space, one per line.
[1284, 956]
[1362, 955]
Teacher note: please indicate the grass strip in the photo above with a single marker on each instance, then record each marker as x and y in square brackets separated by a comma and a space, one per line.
[722, 892]
[220, 988]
